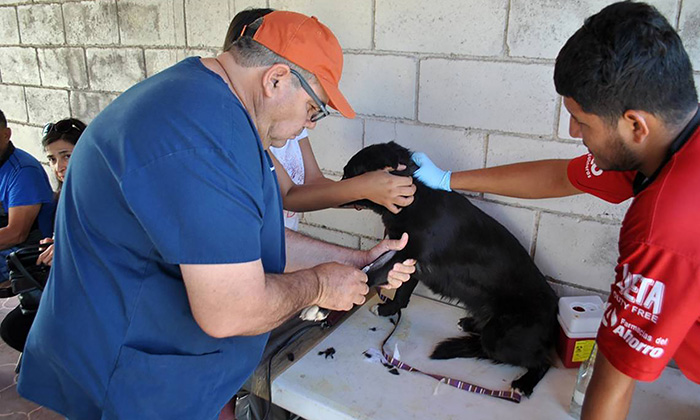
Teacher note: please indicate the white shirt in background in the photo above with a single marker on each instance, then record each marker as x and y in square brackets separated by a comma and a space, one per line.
[290, 157]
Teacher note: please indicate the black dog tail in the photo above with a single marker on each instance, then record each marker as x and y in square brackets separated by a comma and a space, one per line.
[467, 346]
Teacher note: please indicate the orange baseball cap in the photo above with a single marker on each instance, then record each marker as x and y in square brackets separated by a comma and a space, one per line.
[309, 44]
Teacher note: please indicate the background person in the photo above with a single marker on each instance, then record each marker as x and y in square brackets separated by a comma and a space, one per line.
[171, 248]
[302, 184]
[58, 140]
[27, 216]
[628, 84]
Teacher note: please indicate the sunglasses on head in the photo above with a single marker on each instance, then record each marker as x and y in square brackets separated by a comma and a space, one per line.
[60, 127]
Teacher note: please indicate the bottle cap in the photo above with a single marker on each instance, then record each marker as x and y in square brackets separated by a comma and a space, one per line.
[580, 316]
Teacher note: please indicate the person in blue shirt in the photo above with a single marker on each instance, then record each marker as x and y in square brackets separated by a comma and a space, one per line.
[171, 262]
[27, 210]
[58, 140]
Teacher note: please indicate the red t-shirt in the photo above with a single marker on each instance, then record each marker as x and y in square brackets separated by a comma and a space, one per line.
[653, 312]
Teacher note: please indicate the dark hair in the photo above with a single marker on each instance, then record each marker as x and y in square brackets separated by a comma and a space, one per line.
[3, 120]
[68, 129]
[240, 21]
[625, 57]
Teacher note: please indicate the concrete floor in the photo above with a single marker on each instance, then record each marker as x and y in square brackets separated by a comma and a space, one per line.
[12, 406]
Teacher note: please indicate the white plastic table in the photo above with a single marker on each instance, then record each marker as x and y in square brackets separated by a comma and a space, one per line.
[348, 386]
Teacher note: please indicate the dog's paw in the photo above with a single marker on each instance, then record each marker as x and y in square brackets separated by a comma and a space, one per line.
[385, 309]
[527, 382]
[520, 389]
[467, 325]
[314, 313]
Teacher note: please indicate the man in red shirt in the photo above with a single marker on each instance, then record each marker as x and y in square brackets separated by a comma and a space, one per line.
[628, 84]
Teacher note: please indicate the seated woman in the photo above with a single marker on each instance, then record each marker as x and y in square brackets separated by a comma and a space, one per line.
[58, 141]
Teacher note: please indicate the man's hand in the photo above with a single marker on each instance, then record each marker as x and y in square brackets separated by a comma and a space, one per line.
[429, 174]
[383, 188]
[340, 286]
[46, 257]
[401, 272]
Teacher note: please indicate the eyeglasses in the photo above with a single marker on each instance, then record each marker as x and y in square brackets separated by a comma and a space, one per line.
[323, 111]
[60, 127]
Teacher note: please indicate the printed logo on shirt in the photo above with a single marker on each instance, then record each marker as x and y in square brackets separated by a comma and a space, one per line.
[637, 297]
[641, 295]
[609, 315]
[635, 338]
[591, 168]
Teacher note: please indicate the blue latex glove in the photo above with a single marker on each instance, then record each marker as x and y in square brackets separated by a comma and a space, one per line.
[429, 174]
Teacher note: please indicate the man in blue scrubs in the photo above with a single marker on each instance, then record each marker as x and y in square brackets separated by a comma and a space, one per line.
[170, 246]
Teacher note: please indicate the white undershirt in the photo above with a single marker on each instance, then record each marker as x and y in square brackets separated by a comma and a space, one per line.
[291, 159]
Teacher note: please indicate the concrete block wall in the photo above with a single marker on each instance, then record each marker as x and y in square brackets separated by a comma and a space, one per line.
[468, 81]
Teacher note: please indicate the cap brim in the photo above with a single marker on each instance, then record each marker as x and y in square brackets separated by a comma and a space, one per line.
[336, 99]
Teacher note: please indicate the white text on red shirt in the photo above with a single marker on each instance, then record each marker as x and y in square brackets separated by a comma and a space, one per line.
[645, 294]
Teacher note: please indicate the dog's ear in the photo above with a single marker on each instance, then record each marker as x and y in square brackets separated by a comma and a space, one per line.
[380, 156]
[371, 158]
[377, 157]
[402, 157]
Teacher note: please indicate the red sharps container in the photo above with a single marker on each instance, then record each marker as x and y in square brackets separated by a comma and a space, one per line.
[579, 318]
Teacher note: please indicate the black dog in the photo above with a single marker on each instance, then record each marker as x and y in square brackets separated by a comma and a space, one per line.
[466, 255]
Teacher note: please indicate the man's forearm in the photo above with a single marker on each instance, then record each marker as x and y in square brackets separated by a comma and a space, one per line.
[609, 393]
[285, 295]
[240, 299]
[10, 237]
[19, 223]
[537, 179]
[305, 252]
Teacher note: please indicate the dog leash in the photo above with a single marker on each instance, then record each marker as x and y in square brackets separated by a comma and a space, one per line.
[465, 386]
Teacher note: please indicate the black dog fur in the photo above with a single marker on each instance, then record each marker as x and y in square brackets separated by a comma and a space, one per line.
[466, 255]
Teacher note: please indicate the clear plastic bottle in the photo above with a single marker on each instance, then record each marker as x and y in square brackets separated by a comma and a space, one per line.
[585, 372]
